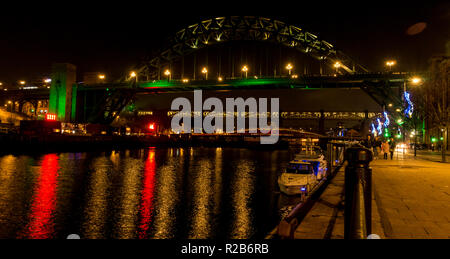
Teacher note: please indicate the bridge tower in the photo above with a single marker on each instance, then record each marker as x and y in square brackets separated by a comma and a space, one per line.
[63, 92]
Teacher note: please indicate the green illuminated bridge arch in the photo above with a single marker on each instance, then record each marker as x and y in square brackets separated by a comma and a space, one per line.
[223, 29]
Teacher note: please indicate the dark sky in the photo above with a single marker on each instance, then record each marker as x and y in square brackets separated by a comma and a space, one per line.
[113, 36]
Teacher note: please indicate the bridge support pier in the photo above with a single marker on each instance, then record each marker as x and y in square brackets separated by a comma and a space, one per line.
[61, 91]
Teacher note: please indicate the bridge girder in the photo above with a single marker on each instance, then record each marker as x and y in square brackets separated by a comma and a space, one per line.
[222, 29]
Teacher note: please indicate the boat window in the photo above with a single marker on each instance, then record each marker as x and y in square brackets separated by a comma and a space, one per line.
[298, 169]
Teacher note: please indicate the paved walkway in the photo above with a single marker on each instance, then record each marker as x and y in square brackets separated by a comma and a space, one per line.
[413, 197]
[325, 220]
[411, 200]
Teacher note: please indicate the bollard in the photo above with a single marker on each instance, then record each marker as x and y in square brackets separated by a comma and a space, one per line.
[358, 193]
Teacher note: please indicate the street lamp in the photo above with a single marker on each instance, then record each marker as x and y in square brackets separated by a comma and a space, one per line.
[390, 63]
[101, 77]
[22, 82]
[205, 71]
[289, 67]
[245, 70]
[167, 73]
[416, 80]
[133, 75]
[337, 65]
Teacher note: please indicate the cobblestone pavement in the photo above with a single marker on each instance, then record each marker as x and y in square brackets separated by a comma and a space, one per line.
[413, 197]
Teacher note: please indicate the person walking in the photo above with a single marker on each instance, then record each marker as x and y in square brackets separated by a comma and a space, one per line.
[385, 149]
[392, 148]
[376, 147]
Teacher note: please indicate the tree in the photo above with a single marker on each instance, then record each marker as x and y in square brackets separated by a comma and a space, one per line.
[436, 99]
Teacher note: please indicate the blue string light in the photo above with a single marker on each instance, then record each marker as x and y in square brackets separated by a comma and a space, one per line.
[386, 120]
[410, 109]
[374, 131]
[379, 128]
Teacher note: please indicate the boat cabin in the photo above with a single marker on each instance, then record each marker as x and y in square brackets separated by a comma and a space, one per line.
[298, 167]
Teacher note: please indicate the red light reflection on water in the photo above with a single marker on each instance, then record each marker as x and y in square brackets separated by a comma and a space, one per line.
[148, 186]
[41, 224]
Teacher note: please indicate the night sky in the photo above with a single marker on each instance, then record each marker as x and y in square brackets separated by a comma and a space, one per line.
[113, 37]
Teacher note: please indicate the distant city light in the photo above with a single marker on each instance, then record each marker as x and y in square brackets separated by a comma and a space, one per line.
[133, 74]
[47, 80]
[101, 76]
[22, 82]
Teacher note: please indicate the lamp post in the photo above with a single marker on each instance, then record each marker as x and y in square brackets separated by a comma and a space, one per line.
[390, 64]
[337, 65]
[205, 71]
[415, 81]
[289, 67]
[168, 74]
[133, 75]
[245, 70]
[11, 110]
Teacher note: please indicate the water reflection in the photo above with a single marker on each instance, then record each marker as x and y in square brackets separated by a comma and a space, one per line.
[148, 188]
[95, 211]
[168, 196]
[242, 189]
[41, 222]
[149, 193]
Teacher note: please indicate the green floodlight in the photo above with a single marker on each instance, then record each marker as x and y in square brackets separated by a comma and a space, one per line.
[442, 138]
[433, 139]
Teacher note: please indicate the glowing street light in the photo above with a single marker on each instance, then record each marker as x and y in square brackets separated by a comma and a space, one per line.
[220, 79]
[289, 67]
[337, 65]
[133, 75]
[47, 80]
[416, 80]
[205, 71]
[22, 82]
[101, 77]
[390, 64]
[245, 70]
[167, 73]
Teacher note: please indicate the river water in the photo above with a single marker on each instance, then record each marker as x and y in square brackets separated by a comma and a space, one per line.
[223, 193]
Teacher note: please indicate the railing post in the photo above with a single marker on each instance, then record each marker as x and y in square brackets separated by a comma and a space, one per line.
[358, 193]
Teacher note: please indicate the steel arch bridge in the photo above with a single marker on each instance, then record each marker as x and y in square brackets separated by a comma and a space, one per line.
[232, 28]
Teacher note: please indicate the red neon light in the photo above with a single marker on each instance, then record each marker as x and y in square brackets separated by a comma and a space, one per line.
[151, 126]
[50, 117]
